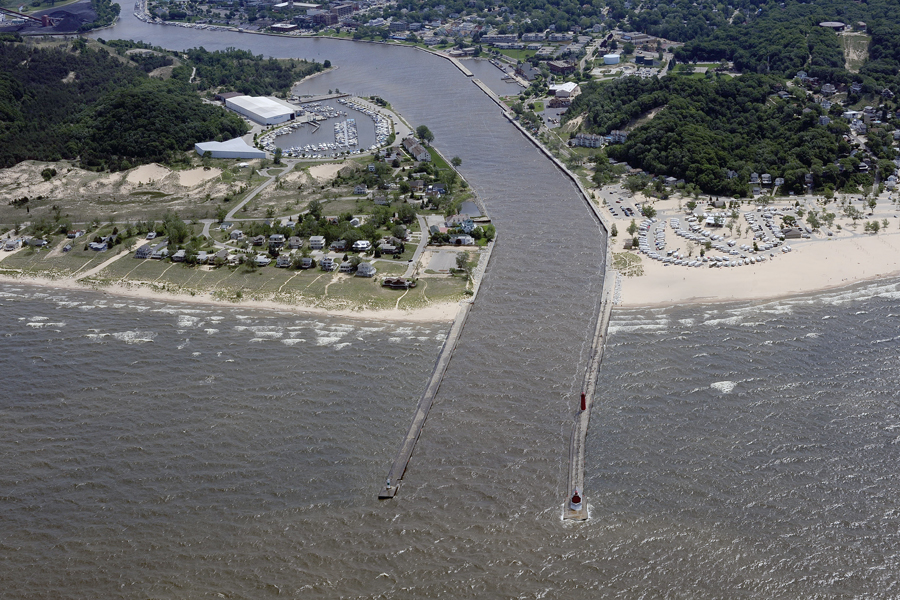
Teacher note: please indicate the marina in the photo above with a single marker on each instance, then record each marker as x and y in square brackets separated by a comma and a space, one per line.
[302, 137]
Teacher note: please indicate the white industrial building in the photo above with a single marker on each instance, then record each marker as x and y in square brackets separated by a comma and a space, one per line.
[236, 148]
[565, 90]
[267, 111]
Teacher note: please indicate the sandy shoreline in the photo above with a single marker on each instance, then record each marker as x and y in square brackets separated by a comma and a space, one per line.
[812, 266]
[439, 312]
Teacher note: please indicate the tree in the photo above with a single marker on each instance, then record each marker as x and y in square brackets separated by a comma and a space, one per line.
[456, 161]
[424, 134]
[278, 156]
[462, 262]
[632, 227]
[648, 211]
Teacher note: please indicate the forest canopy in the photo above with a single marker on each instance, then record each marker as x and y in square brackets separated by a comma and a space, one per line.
[703, 129]
[78, 102]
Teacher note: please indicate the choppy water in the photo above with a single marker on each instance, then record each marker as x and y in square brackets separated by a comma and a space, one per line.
[737, 450]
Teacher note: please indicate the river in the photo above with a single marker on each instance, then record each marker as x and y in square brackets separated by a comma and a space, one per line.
[161, 450]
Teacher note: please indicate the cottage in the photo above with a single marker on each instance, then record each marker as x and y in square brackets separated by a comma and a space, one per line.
[766, 179]
[258, 240]
[283, 261]
[338, 245]
[361, 189]
[345, 267]
[276, 240]
[306, 262]
[202, 257]
[381, 200]
[144, 251]
[317, 242]
[262, 260]
[295, 242]
[160, 253]
[100, 246]
[237, 234]
[417, 186]
[462, 240]
[221, 256]
[463, 222]
[11, 245]
[362, 246]
[179, 256]
[365, 270]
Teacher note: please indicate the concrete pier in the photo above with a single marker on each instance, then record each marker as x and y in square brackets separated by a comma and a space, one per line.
[575, 479]
[398, 468]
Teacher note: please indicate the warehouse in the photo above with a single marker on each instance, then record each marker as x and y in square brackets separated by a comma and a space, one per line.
[236, 148]
[266, 111]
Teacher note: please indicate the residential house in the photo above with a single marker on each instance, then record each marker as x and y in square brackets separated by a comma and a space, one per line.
[416, 150]
[766, 179]
[283, 261]
[294, 242]
[160, 253]
[144, 251]
[365, 270]
[754, 178]
[338, 246]
[317, 242]
[100, 246]
[361, 189]
[258, 240]
[345, 267]
[262, 260]
[179, 256]
[462, 240]
[463, 222]
[306, 262]
[202, 257]
[237, 234]
[276, 240]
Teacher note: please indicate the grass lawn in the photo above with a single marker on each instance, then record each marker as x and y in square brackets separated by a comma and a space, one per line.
[518, 54]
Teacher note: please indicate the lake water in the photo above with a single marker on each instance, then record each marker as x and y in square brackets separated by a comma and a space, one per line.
[170, 451]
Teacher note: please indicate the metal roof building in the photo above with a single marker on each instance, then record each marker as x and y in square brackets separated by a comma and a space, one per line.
[266, 111]
[236, 148]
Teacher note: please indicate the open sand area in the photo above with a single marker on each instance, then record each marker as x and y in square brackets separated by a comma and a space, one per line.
[812, 265]
[195, 177]
[144, 174]
[143, 192]
[815, 262]
[325, 172]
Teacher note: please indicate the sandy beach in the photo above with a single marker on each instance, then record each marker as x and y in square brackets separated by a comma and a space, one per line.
[821, 262]
[437, 312]
[811, 266]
